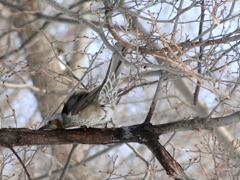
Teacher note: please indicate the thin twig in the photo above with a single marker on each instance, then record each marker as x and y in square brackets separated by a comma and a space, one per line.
[197, 89]
[155, 98]
[19, 159]
[65, 168]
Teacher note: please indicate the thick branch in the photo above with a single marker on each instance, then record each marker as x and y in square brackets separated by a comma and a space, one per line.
[144, 134]
[171, 166]
[23, 137]
[135, 133]
[194, 124]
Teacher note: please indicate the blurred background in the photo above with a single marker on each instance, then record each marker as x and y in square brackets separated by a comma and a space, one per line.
[45, 54]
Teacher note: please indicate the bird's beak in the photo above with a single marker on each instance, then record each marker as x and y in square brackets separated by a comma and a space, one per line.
[48, 127]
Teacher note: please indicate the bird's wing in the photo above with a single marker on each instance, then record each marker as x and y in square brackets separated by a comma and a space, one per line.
[76, 104]
[76, 98]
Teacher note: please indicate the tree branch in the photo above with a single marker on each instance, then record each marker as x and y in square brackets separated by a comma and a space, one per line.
[20, 160]
[195, 124]
[143, 133]
[23, 136]
[167, 161]
[155, 98]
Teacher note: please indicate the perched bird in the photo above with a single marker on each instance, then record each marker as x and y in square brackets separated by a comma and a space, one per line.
[92, 108]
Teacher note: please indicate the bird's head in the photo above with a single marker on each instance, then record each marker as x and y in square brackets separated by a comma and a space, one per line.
[54, 122]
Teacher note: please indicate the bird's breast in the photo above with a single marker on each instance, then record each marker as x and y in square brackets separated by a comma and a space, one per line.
[92, 115]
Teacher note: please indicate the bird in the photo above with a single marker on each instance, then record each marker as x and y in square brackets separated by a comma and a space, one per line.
[89, 109]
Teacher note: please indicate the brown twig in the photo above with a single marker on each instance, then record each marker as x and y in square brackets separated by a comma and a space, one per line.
[19, 159]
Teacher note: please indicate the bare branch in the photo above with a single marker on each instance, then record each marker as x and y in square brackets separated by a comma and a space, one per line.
[155, 99]
[22, 137]
[19, 159]
[66, 166]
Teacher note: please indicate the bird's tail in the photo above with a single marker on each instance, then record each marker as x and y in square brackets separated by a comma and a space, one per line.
[108, 94]
[105, 93]
[116, 65]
